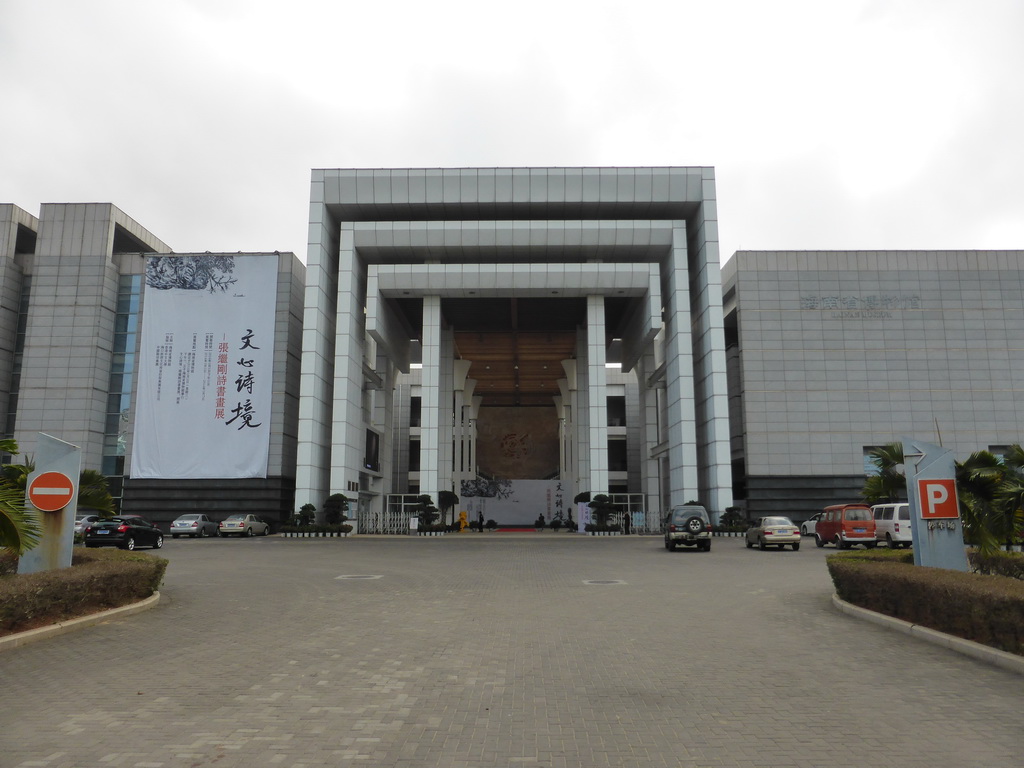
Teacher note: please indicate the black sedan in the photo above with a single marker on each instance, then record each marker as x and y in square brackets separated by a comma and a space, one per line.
[124, 531]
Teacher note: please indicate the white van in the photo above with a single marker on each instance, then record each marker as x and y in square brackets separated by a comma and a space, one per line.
[892, 525]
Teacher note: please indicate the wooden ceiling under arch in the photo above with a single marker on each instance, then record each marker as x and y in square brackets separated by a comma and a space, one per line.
[516, 345]
[516, 368]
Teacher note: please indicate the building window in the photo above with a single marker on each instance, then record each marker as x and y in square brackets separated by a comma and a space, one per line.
[999, 451]
[617, 411]
[869, 464]
[414, 455]
[19, 350]
[415, 411]
[122, 377]
[617, 461]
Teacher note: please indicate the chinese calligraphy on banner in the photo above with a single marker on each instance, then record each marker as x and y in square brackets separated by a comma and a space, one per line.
[202, 407]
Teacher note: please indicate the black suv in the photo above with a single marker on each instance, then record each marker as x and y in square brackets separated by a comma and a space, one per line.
[688, 525]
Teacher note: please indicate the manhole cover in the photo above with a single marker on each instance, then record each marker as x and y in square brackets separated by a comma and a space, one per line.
[355, 576]
[603, 581]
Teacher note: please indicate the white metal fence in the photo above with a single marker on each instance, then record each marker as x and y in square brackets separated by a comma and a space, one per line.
[400, 507]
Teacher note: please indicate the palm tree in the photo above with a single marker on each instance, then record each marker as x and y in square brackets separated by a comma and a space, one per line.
[977, 480]
[19, 527]
[93, 492]
[1010, 494]
[890, 484]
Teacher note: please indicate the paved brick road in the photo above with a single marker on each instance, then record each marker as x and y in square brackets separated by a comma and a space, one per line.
[490, 650]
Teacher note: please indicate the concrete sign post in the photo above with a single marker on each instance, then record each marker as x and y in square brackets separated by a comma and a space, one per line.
[934, 507]
[53, 490]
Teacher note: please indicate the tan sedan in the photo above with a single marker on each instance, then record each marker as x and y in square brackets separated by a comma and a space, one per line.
[773, 532]
[243, 525]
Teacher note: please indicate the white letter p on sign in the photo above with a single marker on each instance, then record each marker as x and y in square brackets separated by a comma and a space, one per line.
[938, 498]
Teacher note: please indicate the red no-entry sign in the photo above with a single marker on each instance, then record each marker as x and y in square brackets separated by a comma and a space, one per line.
[51, 491]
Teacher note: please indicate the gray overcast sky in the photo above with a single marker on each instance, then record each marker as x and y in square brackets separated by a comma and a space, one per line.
[832, 124]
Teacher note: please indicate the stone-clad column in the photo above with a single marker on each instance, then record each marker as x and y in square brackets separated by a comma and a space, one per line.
[430, 391]
[348, 428]
[681, 426]
[597, 399]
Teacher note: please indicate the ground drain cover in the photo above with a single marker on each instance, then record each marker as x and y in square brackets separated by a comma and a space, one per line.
[354, 576]
[603, 581]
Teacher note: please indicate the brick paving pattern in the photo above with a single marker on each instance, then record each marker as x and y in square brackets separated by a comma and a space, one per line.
[491, 650]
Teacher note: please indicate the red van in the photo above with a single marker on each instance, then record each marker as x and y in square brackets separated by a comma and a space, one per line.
[845, 525]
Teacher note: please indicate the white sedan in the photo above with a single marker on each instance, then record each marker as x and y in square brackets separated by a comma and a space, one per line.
[808, 526]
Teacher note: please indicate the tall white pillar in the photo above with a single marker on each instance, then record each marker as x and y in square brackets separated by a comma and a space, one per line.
[348, 428]
[681, 424]
[446, 412]
[316, 382]
[430, 393]
[650, 476]
[597, 397]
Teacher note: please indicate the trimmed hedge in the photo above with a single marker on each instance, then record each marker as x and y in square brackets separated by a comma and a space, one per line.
[999, 563]
[96, 581]
[987, 609]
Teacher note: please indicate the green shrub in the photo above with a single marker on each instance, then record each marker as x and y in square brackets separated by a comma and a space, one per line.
[97, 580]
[985, 609]
[999, 563]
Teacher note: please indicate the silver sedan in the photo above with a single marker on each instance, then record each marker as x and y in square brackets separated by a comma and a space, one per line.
[193, 526]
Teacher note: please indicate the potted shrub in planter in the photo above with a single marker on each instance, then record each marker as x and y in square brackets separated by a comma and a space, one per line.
[602, 508]
[491, 525]
[335, 507]
[447, 500]
[731, 522]
[428, 515]
[556, 524]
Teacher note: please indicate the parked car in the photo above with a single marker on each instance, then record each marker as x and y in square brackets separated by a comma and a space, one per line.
[689, 526]
[808, 525]
[243, 525]
[892, 525]
[773, 531]
[83, 520]
[845, 525]
[193, 526]
[124, 531]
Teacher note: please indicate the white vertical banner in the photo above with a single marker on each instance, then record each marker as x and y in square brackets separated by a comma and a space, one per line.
[203, 398]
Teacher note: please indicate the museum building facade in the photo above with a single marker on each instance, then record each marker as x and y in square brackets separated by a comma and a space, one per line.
[483, 331]
[520, 337]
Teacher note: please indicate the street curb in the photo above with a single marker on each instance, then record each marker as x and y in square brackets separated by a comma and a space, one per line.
[42, 633]
[1008, 661]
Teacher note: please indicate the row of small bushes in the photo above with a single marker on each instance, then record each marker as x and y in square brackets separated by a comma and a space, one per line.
[986, 606]
[342, 528]
[96, 581]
